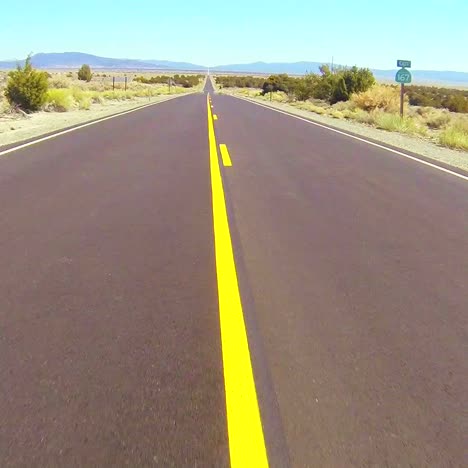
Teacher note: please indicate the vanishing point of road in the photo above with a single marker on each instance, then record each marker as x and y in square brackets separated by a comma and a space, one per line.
[208, 282]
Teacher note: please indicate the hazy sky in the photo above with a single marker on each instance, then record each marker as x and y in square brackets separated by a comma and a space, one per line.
[431, 33]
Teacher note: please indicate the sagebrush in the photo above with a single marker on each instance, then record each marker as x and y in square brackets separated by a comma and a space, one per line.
[26, 87]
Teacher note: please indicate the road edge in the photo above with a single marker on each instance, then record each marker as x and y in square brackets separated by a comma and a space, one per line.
[10, 148]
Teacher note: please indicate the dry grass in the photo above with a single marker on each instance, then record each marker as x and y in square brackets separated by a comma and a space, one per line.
[395, 123]
[336, 114]
[382, 97]
[309, 106]
[456, 135]
[434, 118]
[4, 106]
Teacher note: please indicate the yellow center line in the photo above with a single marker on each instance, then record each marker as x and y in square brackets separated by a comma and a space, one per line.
[246, 441]
[215, 117]
[225, 155]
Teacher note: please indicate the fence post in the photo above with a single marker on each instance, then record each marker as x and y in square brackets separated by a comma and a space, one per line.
[402, 98]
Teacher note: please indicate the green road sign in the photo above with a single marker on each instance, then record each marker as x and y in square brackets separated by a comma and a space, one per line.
[403, 76]
[404, 63]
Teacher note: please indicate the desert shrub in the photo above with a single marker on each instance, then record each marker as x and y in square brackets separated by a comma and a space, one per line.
[456, 100]
[456, 135]
[328, 86]
[362, 116]
[85, 103]
[304, 88]
[309, 106]
[58, 83]
[59, 100]
[120, 95]
[339, 90]
[339, 86]
[357, 80]
[382, 97]
[84, 73]
[395, 123]
[232, 81]
[96, 97]
[82, 98]
[5, 107]
[184, 81]
[457, 103]
[347, 113]
[27, 87]
[436, 118]
[274, 83]
[337, 114]
[344, 105]
[278, 96]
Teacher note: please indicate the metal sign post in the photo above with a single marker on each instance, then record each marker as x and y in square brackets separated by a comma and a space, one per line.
[403, 76]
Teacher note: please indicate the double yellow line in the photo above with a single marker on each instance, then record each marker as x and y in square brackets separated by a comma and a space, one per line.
[246, 441]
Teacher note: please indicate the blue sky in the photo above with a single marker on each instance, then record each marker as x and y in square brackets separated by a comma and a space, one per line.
[374, 33]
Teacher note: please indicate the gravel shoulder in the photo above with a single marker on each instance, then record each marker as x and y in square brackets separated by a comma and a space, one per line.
[417, 145]
[16, 128]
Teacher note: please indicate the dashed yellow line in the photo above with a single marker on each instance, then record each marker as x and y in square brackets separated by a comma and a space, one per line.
[215, 117]
[225, 155]
[246, 441]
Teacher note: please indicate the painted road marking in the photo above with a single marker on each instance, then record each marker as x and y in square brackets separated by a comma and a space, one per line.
[225, 155]
[246, 441]
[421, 161]
[215, 117]
[94, 122]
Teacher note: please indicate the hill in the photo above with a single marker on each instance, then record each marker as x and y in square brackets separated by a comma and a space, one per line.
[76, 59]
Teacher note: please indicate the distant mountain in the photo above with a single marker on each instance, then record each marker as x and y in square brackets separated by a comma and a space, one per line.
[76, 59]
[176, 65]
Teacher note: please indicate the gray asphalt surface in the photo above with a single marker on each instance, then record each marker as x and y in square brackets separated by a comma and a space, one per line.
[109, 331]
[353, 269]
[357, 264]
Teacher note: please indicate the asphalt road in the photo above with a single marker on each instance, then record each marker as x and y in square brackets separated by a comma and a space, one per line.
[352, 267]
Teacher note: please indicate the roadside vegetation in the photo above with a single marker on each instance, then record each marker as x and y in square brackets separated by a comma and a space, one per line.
[455, 100]
[27, 90]
[185, 81]
[437, 114]
[85, 74]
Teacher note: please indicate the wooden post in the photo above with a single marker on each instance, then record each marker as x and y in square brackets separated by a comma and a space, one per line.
[113, 83]
[402, 98]
[125, 83]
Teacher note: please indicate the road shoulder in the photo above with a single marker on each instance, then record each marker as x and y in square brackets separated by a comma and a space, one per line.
[418, 146]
